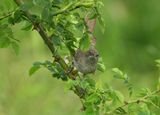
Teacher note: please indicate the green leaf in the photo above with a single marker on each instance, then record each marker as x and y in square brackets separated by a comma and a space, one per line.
[119, 96]
[144, 92]
[26, 6]
[7, 38]
[56, 40]
[89, 111]
[85, 42]
[46, 14]
[93, 14]
[73, 19]
[155, 101]
[37, 63]
[130, 88]
[28, 26]
[17, 17]
[120, 111]
[69, 85]
[101, 67]
[11, 20]
[144, 110]
[116, 97]
[92, 98]
[41, 3]
[36, 66]
[158, 63]
[118, 73]
[133, 108]
[158, 85]
[90, 81]
[102, 23]
[33, 70]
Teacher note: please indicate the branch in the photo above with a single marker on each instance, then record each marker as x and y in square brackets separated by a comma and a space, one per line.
[46, 38]
[7, 15]
[70, 7]
[142, 99]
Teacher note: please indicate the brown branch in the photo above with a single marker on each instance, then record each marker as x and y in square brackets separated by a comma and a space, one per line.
[40, 29]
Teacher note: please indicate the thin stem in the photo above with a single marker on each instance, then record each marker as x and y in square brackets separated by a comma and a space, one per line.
[142, 99]
[72, 6]
[7, 15]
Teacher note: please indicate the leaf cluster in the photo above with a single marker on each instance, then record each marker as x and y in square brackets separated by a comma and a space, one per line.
[61, 24]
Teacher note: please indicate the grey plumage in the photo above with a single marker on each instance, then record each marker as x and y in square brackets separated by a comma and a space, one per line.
[86, 61]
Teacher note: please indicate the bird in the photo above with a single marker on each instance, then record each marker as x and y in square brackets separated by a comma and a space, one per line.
[86, 61]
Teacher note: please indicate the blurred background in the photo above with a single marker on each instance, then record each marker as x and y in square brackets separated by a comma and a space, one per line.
[131, 42]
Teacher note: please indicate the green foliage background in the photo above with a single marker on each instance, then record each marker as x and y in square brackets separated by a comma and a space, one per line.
[131, 41]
